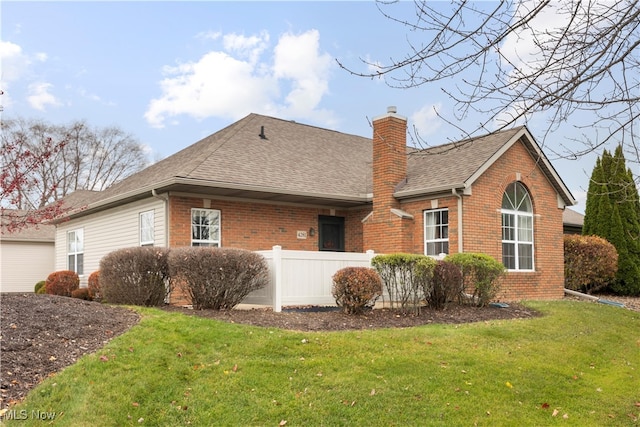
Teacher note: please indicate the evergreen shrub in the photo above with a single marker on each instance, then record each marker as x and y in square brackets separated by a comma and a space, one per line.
[590, 263]
[62, 283]
[135, 276]
[40, 287]
[481, 276]
[218, 278]
[356, 288]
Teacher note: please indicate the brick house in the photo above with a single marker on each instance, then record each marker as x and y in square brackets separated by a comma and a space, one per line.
[264, 181]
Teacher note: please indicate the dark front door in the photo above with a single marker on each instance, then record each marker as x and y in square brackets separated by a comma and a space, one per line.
[331, 233]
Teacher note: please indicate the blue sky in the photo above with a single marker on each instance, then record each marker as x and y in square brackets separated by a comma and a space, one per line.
[171, 73]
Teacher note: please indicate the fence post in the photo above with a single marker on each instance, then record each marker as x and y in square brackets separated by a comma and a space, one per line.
[371, 254]
[277, 285]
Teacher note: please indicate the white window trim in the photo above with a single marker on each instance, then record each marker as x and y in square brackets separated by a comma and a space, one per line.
[78, 251]
[141, 228]
[209, 242]
[517, 215]
[424, 230]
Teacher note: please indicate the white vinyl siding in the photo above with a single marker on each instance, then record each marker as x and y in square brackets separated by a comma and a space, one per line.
[24, 263]
[109, 230]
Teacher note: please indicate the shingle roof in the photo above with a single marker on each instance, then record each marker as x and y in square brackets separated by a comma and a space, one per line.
[571, 217]
[302, 163]
[292, 158]
[30, 233]
[451, 165]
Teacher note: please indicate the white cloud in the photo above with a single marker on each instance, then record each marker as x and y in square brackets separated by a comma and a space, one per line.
[13, 61]
[238, 80]
[426, 120]
[40, 96]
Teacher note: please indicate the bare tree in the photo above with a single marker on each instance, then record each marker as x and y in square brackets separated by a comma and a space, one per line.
[509, 60]
[70, 157]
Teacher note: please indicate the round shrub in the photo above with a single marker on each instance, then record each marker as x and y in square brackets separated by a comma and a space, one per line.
[93, 284]
[62, 283]
[82, 293]
[40, 287]
[590, 263]
[135, 276]
[447, 284]
[356, 288]
[481, 275]
[217, 278]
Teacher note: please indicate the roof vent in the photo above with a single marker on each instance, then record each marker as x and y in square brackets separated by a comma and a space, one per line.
[392, 109]
[262, 135]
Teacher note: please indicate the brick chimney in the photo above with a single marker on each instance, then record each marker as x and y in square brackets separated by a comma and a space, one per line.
[389, 159]
[386, 229]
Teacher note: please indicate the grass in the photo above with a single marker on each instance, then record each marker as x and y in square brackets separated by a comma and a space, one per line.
[577, 365]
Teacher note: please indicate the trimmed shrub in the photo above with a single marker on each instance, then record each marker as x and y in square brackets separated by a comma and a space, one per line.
[590, 263]
[93, 284]
[447, 285]
[135, 276]
[218, 278]
[407, 277]
[82, 293]
[481, 275]
[62, 283]
[40, 287]
[356, 288]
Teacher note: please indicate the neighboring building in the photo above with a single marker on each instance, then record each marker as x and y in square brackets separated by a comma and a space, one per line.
[26, 255]
[264, 181]
[573, 221]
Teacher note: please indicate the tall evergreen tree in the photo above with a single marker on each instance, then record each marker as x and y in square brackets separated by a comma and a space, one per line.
[594, 195]
[613, 212]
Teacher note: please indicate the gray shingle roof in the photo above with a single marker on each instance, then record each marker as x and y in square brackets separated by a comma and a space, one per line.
[302, 163]
[292, 158]
[451, 165]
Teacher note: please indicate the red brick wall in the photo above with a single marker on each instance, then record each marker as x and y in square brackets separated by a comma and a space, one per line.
[260, 226]
[385, 232]
[482, 223]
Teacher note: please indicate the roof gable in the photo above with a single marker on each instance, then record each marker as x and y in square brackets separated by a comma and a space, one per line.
[459, 164]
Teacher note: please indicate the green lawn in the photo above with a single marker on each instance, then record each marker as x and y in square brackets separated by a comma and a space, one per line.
[577, 365]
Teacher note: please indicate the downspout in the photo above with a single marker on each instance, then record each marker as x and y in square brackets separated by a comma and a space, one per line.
[460, 245]
[165, 199]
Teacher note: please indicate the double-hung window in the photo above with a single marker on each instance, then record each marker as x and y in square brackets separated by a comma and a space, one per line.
[205, 227]
[436, 232]
[75, 251]
[147, 228]
[517, 228]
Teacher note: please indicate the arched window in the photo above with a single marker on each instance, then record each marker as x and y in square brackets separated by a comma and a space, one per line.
[517, 228]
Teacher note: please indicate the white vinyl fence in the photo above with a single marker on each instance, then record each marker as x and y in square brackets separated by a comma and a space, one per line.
[303, 277]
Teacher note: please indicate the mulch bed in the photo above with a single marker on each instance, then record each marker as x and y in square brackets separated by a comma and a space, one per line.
[42, 334]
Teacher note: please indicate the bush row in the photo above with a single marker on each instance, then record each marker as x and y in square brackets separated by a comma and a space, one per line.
[214, 278]
[414, 280]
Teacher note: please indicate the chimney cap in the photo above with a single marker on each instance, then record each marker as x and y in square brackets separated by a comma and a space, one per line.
[392, 109]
